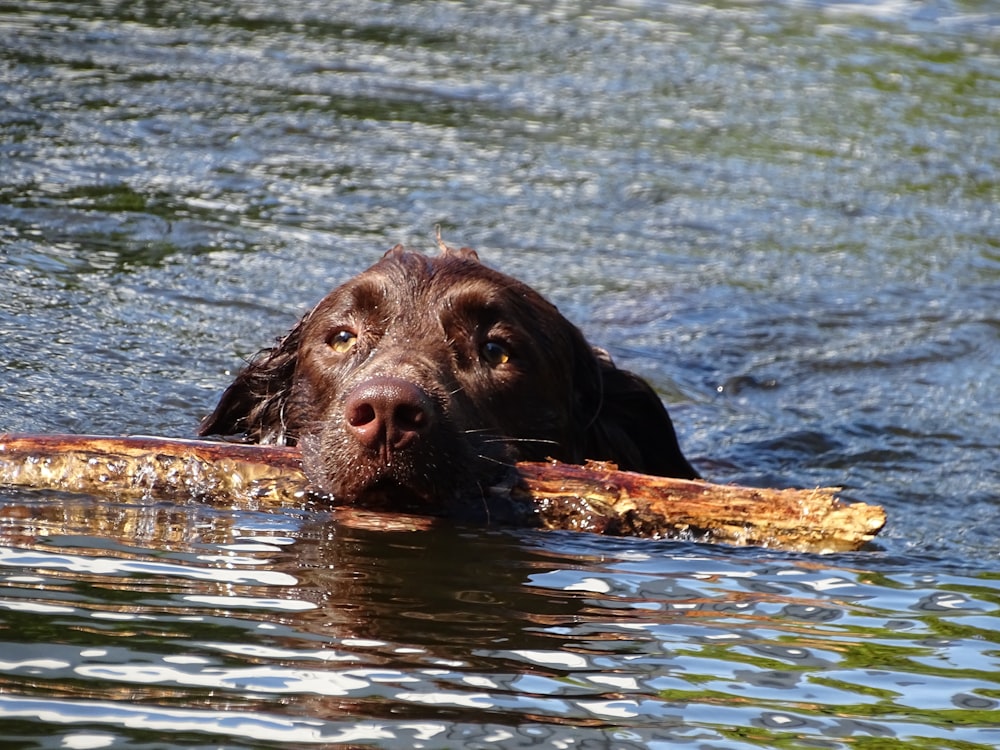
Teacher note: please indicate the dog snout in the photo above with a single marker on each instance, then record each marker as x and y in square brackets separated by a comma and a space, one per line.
[388, 414]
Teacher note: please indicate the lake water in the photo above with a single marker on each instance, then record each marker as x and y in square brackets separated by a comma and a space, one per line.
[785, 215]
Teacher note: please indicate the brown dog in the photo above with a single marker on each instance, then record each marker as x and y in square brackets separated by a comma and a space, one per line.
[418, 382]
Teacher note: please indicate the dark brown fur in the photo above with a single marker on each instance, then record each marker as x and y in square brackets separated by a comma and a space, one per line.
[420, 380]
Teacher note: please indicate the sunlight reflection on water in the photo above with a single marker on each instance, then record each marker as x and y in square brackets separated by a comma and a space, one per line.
[784, 215]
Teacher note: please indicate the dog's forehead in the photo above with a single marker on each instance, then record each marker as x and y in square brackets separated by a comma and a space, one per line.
[446, 269]
[440, 279]
[410, 291]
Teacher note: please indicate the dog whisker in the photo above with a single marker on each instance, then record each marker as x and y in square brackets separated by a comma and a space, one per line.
[505, 438]
[533, 441]
[484, 502]
[497, 461]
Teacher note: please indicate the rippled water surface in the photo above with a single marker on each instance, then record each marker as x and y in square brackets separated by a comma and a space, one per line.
[785, 215]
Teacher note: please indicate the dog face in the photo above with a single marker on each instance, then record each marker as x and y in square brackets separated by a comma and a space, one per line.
[417, 383]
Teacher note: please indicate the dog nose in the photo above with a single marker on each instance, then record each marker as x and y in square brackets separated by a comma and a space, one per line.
[388, 413]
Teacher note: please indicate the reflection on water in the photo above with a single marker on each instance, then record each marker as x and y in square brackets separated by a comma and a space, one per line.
[288, 629]
[784, 215]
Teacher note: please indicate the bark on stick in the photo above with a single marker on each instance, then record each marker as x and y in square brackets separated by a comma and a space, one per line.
[596, 497]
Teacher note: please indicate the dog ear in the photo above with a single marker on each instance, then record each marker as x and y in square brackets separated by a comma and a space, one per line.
[629, 424]
[254, 404]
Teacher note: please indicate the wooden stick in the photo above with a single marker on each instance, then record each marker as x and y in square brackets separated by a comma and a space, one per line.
[596, 498]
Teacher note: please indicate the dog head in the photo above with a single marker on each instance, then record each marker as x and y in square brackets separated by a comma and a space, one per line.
[419, 381]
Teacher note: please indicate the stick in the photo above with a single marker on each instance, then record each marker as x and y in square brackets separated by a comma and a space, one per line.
[596, 498]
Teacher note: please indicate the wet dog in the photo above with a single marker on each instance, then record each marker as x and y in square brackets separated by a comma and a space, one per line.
[422, 380]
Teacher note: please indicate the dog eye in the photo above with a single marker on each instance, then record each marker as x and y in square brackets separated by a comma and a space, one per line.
[342, 340]
[494, 353]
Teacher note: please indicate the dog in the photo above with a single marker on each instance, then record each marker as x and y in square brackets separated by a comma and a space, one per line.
[421, 381]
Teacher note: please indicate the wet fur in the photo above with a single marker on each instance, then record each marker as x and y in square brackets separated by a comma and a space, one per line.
[425, 321]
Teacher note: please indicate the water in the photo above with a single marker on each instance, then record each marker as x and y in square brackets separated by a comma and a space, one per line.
[784, 215]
